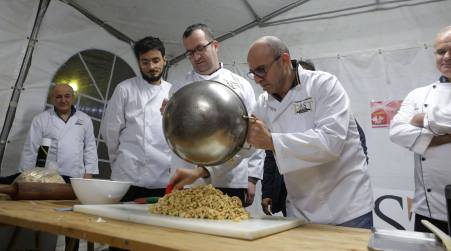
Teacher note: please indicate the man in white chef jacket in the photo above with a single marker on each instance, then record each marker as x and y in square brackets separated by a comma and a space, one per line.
[423, 125]
[73, 147]
[238, 176]
[305, 118]
[132, 125]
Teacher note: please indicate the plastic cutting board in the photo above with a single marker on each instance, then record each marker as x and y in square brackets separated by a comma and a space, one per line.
[247, 229]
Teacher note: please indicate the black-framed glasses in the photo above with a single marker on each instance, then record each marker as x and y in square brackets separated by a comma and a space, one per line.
[261, 70]
[198, 49]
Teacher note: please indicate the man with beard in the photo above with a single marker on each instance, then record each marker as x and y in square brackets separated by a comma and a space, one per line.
[132, 125]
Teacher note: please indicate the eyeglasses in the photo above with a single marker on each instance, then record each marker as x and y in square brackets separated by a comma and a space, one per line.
[198, 49]
[261, 70]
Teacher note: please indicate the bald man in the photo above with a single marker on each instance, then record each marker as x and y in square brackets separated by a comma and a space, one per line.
[304, 118]
[73, 148]
[423, 126]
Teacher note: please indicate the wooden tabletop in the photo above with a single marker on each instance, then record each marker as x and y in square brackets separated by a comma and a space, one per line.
[42, 216]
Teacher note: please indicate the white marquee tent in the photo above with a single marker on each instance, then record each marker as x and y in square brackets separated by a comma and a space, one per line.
[379, 49]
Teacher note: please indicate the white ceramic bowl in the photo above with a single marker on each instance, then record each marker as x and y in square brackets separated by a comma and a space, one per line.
[97, 191]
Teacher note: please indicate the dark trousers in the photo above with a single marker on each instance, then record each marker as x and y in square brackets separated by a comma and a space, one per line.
[419, 227]
[9, 179]
[241, 193]
[135, 192]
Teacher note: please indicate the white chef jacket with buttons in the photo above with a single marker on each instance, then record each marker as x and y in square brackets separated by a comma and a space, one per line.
[133, 131]
[432, 164]
[73, 145]
[247, 162]
[318, 150]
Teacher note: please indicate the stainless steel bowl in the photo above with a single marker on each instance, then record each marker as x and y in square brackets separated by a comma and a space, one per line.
[205, 123]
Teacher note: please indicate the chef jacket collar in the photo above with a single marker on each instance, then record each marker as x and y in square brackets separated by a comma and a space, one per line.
[72, 112]
[296, 80]
[219, 68]
[444, 79]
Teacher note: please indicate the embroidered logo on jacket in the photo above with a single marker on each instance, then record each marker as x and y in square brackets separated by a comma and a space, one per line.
[304, 105]
[79, 122]
[231, 84]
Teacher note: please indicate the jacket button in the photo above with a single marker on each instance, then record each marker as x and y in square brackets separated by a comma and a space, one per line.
[433, 86]
[423, 158]
[425, 105]
[429, 190]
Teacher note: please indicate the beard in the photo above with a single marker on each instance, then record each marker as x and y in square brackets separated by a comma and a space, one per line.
[152, 79]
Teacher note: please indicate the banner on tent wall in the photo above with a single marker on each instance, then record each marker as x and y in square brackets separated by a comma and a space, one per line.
[382, 112]
[393, 209]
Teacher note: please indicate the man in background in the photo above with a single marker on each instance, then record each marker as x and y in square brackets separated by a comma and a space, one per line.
[422, 125]
[73, 147]
[132, 125]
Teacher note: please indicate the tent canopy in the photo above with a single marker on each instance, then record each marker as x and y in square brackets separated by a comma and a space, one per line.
[378, 49]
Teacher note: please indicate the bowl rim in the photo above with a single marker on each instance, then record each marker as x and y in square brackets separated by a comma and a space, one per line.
[103, 180]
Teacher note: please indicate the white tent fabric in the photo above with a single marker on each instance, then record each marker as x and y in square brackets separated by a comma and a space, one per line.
[64, 32]
[16, 22]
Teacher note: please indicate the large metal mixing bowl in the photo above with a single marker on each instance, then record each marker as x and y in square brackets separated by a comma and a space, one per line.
[205, 123]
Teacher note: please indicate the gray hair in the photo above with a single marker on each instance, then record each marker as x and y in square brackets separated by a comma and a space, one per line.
[443, 31]
[53, 86]
[275, 44]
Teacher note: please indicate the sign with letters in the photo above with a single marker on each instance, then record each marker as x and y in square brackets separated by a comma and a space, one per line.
[393, 209]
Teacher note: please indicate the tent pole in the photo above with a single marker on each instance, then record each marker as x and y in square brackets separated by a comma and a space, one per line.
[119, 35]
[257, 22]
[359, 9]
[18, 86]
[254, 13]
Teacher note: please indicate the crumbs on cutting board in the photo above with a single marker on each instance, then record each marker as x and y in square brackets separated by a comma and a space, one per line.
[100, 220]
[97, 220]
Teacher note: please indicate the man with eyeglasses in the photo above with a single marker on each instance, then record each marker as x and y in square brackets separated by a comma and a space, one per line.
[305, 118]
[238, 176]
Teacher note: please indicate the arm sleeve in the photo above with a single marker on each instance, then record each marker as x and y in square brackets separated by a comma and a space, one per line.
[256, 159]
[113, 122]
[90, 158]
[438, 120]
[32, 142]
[324, 142]
[406, 135]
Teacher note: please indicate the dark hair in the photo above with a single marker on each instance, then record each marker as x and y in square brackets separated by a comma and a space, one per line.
[307, 64]
[198, 26]
[148, 43]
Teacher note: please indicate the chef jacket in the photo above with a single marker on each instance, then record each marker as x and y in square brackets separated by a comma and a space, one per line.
[432, 164]
[317, 150]
[133, 131]
[73, 146]
[247, 162]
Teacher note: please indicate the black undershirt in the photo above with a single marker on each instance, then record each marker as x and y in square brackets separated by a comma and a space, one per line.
[296, 80]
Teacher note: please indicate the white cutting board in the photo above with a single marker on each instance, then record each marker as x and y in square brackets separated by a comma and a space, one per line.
[246, 229]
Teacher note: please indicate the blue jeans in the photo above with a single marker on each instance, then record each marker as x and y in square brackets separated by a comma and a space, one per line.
[364, 221]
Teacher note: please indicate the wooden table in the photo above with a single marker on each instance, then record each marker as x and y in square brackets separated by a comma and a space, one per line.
[42, 216]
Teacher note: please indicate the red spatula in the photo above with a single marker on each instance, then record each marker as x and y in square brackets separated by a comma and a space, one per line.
[169, 188]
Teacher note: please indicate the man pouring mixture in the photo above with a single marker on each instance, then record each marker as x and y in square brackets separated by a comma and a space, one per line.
[305, 118]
